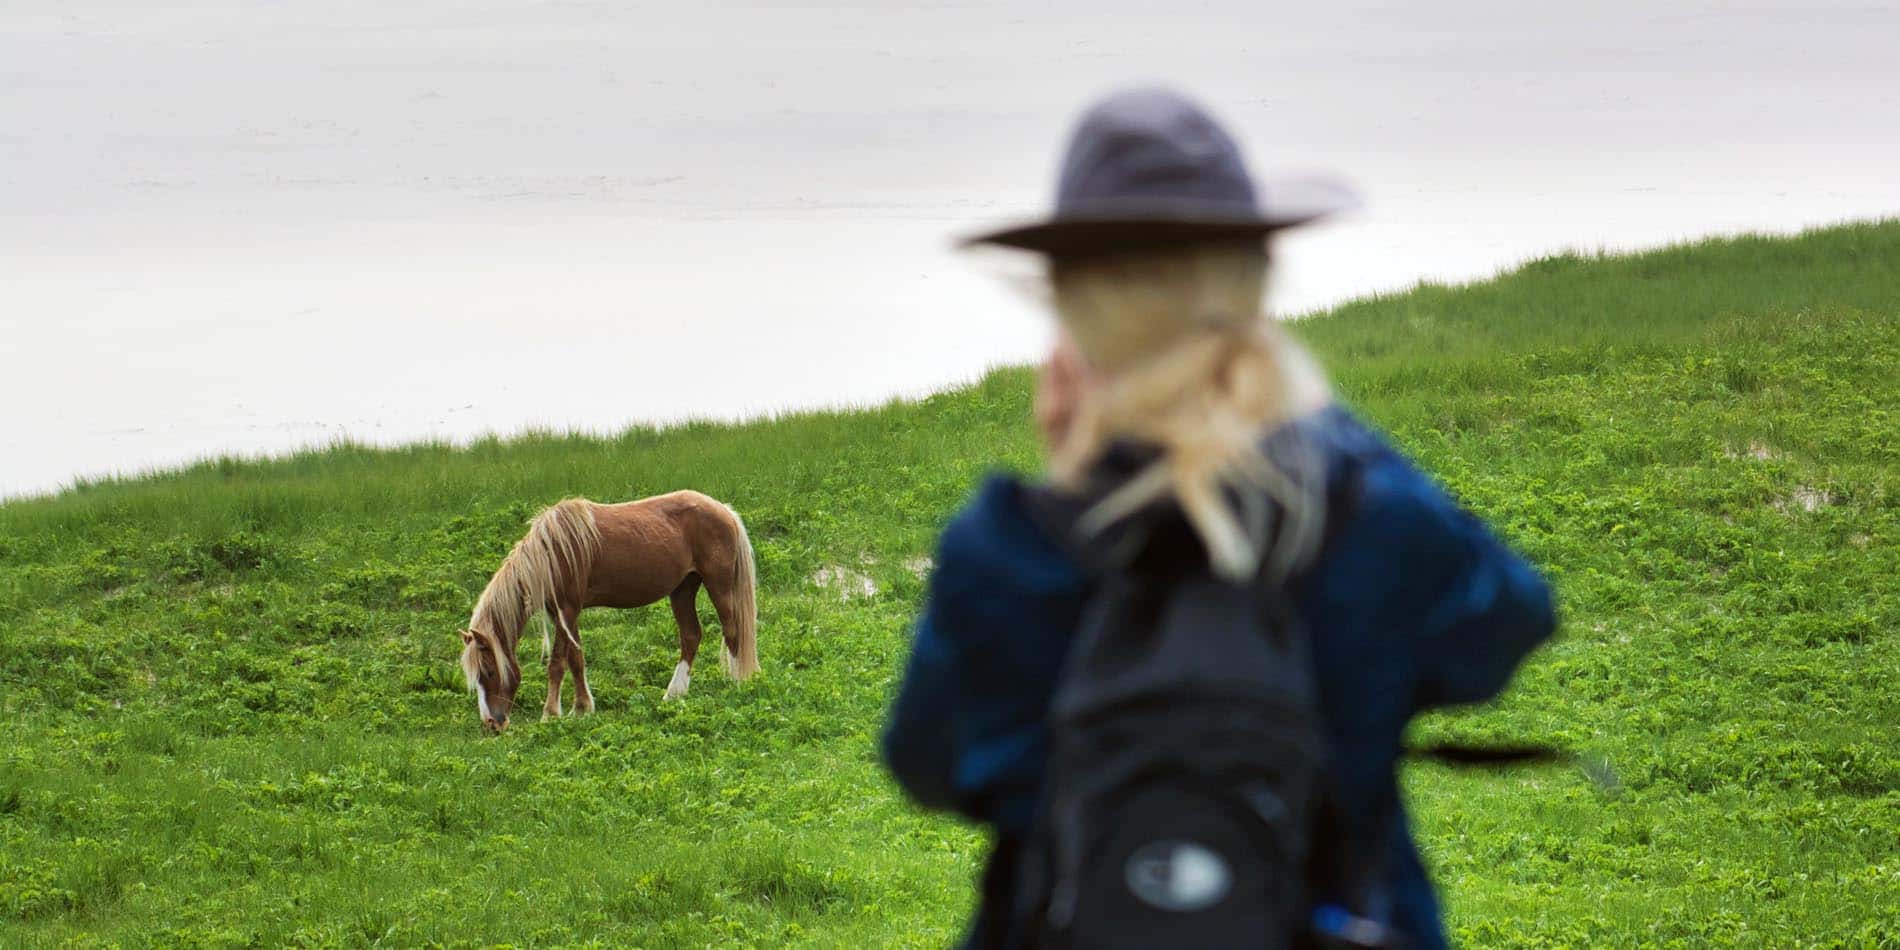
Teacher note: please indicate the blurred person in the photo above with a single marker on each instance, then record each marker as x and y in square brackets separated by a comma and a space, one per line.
[1187, 432]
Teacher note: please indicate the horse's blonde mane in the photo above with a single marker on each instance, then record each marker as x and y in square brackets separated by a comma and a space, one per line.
[472, 663]
[562, 536]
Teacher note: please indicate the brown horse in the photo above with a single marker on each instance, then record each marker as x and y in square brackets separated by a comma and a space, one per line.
[579, 554]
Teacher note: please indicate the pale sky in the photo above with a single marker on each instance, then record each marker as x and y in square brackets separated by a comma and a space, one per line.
[249, 226]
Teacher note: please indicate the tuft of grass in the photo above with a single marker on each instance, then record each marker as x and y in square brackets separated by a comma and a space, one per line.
[234, 716]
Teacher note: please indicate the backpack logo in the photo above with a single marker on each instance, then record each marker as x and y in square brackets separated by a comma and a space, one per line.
[1178, 876]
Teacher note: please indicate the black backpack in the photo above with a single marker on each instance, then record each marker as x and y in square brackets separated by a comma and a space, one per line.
[1185, 802]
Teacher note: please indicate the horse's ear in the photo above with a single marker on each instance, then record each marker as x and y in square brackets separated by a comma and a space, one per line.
[468, 636]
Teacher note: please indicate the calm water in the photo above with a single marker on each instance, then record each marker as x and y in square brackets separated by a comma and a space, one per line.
[246, 226]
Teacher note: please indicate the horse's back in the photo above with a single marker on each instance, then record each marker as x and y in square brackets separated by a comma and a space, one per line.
[649, 546]
[711, 529]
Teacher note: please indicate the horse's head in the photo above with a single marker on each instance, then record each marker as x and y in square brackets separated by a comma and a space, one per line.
[493, 676]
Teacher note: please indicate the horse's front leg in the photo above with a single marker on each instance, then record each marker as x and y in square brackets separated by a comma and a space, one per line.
[570, 631]
[557, 664]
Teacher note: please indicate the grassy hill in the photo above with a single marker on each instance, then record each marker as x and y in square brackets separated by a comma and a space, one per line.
[230, 713]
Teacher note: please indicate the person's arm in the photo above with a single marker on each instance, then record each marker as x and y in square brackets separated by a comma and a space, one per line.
[1491, 613]
[1436, 581]
[1477, 609]
[917, 735]
[1002, 604]
[1002, 601]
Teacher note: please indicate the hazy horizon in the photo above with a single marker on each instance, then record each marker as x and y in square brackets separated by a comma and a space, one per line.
[238, 228]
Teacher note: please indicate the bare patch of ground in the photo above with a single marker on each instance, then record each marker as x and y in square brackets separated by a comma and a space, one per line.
[1757, 450]
[1806, 498]
[845, 582]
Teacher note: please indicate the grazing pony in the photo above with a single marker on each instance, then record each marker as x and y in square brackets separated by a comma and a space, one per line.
[579, 554]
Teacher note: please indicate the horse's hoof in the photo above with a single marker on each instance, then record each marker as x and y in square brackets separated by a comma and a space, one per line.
[682, 678]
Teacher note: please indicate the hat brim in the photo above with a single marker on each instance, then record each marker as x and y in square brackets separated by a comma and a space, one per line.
[1072, 236]
[1145, 225]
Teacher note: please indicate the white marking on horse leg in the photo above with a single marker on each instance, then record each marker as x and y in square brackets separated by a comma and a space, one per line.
[584, 703]
[682, 677]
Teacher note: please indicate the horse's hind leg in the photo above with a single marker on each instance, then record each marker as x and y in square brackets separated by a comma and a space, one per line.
[727, 603]
[686, 615]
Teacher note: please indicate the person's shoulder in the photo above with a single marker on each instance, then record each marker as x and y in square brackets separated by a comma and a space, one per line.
[1355, 455]
[1341, 434]
[1368, 479]
[992, 512]
[997, 534]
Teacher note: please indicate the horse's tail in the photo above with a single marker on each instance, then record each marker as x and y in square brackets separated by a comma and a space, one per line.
[556, 555]
[742, 642]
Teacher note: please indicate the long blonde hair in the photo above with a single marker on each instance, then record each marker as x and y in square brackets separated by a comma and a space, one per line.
[1188, 363]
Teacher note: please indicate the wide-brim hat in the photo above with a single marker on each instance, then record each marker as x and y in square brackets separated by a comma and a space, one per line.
[1148, 168]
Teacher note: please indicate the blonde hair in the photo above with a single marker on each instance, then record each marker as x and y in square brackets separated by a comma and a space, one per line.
[1189, 363]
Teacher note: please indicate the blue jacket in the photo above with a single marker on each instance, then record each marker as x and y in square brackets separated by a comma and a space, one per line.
[1411, 601]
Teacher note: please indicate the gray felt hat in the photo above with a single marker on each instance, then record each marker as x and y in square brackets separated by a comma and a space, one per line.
[1149, 168]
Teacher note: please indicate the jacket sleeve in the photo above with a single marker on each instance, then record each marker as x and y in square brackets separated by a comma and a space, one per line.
[924, 741]
[1495, 615]
[964, 728]
[1491, 610]
[1472, 608]
[917, 735]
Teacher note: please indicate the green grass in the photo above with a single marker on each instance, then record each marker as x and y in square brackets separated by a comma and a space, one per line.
[232, 714]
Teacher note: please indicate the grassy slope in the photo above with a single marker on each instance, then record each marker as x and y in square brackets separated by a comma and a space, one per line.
[232, 714]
